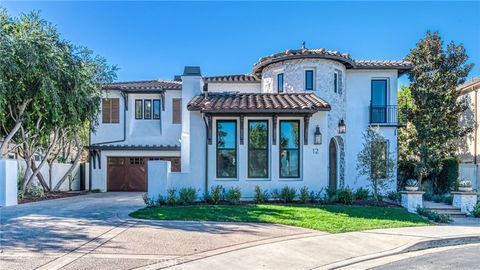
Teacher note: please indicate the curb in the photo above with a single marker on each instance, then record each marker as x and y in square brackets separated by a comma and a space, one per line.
[412, 247]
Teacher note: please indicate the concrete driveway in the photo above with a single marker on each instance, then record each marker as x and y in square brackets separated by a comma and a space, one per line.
[94, 232]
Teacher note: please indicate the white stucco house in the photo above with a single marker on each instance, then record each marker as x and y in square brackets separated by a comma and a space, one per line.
[296, 120]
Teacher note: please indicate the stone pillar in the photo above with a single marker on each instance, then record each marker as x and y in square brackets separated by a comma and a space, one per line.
[466, 201]
[8, 182]
[411, 200]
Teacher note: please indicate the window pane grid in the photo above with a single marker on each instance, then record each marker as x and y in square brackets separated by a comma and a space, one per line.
[226, 149]
[147, 114]
[156, 109]
[289, 149]
[258, 149]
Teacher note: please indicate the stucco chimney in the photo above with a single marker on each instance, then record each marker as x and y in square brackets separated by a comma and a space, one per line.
[192, 85]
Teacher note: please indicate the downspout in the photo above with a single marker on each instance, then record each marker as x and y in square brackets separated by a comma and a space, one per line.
[476, 128]
[206, 152]
[90, 157]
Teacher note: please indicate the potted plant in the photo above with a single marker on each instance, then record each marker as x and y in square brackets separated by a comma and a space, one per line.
[465, 185]
[411, 185]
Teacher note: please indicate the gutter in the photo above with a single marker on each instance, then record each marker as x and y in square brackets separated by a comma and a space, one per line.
[206, 152]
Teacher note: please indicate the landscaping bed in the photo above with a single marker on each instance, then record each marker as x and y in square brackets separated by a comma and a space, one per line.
[328, 218]
[50, 196]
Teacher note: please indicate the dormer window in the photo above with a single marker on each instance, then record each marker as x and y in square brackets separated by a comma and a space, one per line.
[280, 82]
[309, 79]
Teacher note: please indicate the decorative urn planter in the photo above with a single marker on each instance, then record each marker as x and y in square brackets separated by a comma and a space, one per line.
[411, 188]
[465, 189]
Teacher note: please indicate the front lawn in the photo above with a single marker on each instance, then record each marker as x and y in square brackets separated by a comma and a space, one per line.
[328, 218]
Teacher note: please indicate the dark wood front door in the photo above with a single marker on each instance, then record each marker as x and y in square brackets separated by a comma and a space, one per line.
[127, 174]
[332, 165]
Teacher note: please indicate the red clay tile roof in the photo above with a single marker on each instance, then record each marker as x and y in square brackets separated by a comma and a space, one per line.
[344, 58]
[145, 85]
[253, 102]
[383, 64]
[232, 78]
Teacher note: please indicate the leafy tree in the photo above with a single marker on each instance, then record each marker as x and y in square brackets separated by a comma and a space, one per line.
[52, 91]
[374, 161]
[437, 105]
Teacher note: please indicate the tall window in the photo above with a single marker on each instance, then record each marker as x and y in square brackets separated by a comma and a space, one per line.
[379, 101]
[138, 109]
[156, 109]
[147, 114]
[289, 148]
[226, 149]
[309, 79]
[379, 162]
[110, 110]
[280, 82]
[258, 149]
[335, 82]
[177, 111]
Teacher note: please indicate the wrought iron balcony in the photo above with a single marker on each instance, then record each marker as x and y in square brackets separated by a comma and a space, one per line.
[387, 115]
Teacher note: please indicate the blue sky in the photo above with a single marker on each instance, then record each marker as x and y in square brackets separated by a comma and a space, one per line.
[155, 40]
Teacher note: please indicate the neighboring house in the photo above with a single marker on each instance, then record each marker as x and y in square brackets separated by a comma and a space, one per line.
[296, 121]
[469, 145]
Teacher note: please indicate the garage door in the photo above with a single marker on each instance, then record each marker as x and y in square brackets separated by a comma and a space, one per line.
[130, 173]
[127, 174]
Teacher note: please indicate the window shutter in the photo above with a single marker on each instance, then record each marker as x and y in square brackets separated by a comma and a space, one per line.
[105, 110]
[114, 111]
[177, 111]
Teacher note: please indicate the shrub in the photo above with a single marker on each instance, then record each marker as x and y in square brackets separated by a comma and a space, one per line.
[36, 191]
[150, 202]
[448, 175]
[394, 196]
[315, 197]
[440, 218]
[146, 200]
[476, 210]
[187, 195]
[171, 196]
[304, 194]
[260, 196]
[233, 195]
[345, 196]
[287, 195]
[160, 200]
[428, 196]
[216, 194]
[206, 197]
[361, 193]
[275, 195]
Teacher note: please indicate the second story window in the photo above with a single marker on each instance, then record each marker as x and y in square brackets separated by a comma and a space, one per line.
[309, 78]
[280, 82]
[177, 111]
[156, 109]
[110, 110]
[147, 114]
[138, 109]
[335, 82]
[379, 101]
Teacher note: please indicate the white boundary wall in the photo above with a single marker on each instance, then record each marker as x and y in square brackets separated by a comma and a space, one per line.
[58, 170]
[470, 172]
[8, 182]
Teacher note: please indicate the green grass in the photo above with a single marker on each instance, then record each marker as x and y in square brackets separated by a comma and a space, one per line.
[328, 218]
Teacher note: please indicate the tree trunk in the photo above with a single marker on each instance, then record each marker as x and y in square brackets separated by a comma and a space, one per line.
[75, 164]
[18, 124]
[44, 160]
[40, 177]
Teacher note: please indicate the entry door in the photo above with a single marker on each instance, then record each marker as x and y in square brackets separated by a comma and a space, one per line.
[379, 101]
[332, 153]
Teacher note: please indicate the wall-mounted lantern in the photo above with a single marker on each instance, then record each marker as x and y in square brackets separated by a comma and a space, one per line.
[341, 127]
[317, 136]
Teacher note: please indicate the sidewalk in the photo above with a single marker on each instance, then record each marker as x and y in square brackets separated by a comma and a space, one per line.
[326, 251]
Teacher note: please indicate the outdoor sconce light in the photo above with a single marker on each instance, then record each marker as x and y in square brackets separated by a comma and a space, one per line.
[317, 136]
[341, 127]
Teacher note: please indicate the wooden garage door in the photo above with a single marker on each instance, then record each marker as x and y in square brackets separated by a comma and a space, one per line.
[127, 174]
[130, 173]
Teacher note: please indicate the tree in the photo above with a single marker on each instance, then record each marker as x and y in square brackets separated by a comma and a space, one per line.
[53, 90]
[437, 70]
[374, 161]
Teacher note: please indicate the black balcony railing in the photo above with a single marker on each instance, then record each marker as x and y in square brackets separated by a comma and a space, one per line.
[388, 115]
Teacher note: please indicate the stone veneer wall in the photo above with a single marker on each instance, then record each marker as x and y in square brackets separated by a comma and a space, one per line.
[294, 81]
